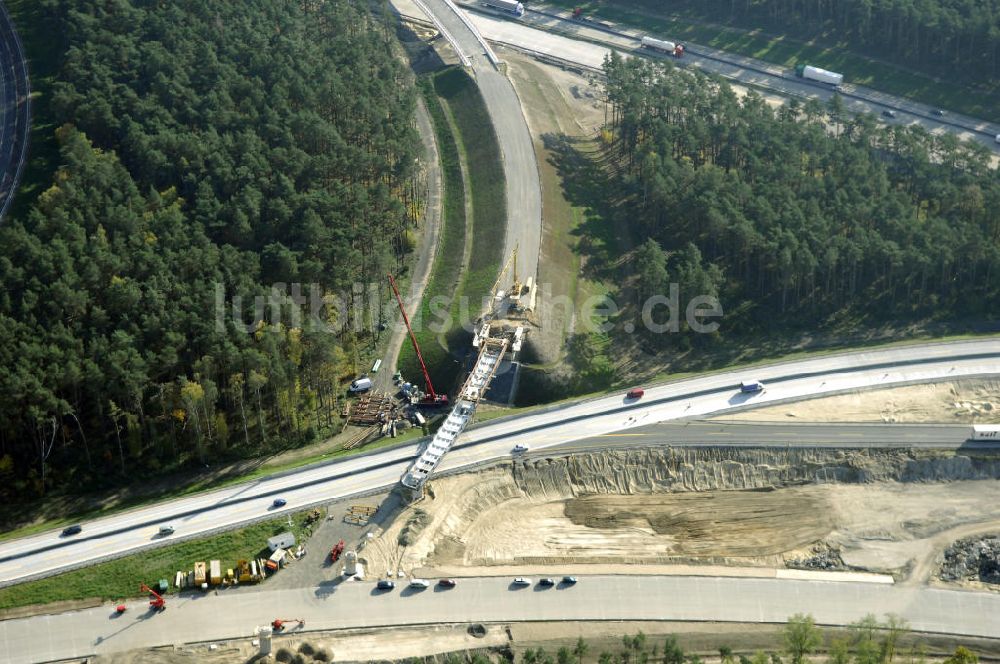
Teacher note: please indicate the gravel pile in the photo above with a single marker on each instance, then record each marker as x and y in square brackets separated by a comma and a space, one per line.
[823, 557]
[973, 559]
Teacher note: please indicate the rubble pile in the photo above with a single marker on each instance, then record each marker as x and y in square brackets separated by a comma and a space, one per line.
[973, 559]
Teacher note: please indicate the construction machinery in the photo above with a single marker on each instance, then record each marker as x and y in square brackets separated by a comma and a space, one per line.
[336, 551]
[432, 399]
[156, 601]
[279, 624]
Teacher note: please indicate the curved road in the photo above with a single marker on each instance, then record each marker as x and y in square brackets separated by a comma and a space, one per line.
[122, 533]
[234, 613]
[15, 110]
[524, 196]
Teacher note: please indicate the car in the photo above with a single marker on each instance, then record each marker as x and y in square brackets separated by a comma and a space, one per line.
[888, 114]
[279, 502]
[521, 581]
[420, 583]
[446, 583]
[69, 531]
[635, 393]
[546, 582]
[569, 580]
[166, 530]
[519, 449]
[938, 112]
[385, 584]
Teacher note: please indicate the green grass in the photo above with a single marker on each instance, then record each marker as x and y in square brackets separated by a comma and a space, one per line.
[487, 185]
[120, 578]
[785, 51]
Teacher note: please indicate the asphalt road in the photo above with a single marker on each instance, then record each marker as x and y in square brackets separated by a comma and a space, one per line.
[15, 110]
[758, 434]
[234, 614]
[694, 398]
[524, 197]
[575, 43]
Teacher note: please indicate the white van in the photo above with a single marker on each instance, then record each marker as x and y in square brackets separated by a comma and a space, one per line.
[362, 384]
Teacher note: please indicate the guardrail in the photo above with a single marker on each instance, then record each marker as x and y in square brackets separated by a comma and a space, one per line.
[475, 31]
[444, 31]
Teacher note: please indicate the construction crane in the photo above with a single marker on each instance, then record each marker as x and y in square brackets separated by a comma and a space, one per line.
[431, 399]
[336, 551]
[278, 624]
[156, 602]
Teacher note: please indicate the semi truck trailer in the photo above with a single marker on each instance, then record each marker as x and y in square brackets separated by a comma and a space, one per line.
[816, 74]
[510, 6]
[668, 47]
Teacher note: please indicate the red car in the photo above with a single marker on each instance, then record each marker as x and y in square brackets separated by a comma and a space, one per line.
[446, 583]
[635, 393]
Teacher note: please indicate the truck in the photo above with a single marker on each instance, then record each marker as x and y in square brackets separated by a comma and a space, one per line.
[820, 75]
[214, 572]
[990, 432]
[510, 6]
[670, 48]
[199, 574]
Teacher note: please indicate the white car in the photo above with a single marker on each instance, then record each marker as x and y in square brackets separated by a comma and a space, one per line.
[519, 449]
[420, 583]
[521, 581]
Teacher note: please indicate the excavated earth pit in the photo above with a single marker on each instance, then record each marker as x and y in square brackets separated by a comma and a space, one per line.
[891, 511]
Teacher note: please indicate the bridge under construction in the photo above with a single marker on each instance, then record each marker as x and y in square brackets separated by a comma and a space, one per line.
[500, 332]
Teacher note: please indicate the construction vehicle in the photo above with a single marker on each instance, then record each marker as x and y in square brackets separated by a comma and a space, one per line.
[432, 399]
[278, 624]
[336, 551]
[156, 601]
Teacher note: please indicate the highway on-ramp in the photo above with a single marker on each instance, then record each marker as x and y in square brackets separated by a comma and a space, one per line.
[119, 534]
[235, 613]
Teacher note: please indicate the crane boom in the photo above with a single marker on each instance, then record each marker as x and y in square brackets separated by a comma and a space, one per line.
[435, 398]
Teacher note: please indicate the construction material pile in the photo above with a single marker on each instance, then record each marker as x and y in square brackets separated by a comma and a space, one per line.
[973, 559]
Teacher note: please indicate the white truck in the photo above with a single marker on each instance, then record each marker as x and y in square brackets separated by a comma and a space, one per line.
[510, 6]
[820, 75]
[990, 432]
[668, 47]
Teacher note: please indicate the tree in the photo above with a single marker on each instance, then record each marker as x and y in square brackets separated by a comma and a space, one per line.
[962, 655]
[672, 652]
[726, 654]
[840, 652]
[563, 656]
[801, 637]
[894, 627]
[580, 649]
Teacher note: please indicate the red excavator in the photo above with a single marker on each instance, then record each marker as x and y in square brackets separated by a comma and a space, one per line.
[336, 551]
[156, 601]
[432, 399]
[278, 624]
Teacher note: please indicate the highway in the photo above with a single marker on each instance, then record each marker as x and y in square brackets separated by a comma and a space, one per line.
[15, 110]
[234, 613]
[586, 45]
[694, 398]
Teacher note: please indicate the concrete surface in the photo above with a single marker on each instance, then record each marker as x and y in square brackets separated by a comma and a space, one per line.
[231, 615]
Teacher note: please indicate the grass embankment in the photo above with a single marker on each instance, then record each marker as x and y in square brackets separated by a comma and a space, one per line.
[121, 578]
[453, 95]
[786, 51]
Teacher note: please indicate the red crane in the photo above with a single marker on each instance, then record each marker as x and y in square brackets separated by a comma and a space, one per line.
[432, 399]
[336, 551]
[156, 602]
[278, 624]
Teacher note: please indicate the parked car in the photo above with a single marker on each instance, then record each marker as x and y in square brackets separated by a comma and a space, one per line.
[635, 393]
[166, 530]
[888, 114]
[69, 531]
[420, 583]
[569, 580]
[446, 583]
[279, 502]
[519, 449]
[385, 584]
[546, 582]
[522, 581]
